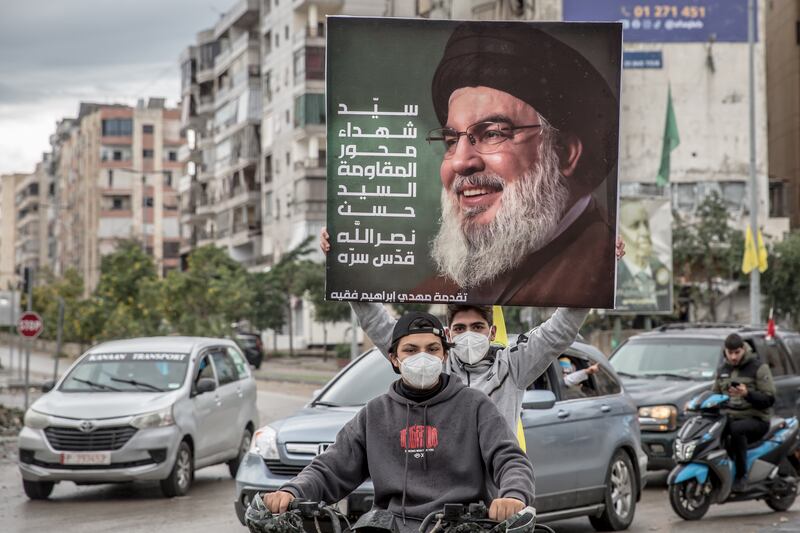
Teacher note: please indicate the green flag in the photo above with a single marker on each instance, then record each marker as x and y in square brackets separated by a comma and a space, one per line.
[671, 141]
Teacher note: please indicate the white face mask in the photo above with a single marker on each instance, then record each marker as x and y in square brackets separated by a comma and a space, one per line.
[471, 347]
[421, 370]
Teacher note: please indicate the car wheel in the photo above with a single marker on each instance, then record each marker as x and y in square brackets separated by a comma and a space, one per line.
[244, 446]
[690, 500]
[620, 495]
[37, 490]
[182, 474]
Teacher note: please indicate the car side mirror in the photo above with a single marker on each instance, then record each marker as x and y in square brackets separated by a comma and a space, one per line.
[48, 385]
[205, 385]
[538, 399]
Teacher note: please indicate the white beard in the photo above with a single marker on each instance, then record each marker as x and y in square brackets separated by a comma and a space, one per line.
[531, 207]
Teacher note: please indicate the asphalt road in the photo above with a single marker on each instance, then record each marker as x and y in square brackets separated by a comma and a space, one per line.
[139, 507]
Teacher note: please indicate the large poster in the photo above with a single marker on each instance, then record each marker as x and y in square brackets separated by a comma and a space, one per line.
[644, 274]
[660, 21]
[472, 161]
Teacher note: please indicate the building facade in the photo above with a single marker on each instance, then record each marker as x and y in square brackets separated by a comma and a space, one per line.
[34, 205]
[8, 229]
[783, 107]
[116, 170]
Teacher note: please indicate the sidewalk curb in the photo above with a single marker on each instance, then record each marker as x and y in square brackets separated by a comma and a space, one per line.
[284, 378]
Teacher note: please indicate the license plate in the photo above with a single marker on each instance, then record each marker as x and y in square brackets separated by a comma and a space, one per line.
[86, 458]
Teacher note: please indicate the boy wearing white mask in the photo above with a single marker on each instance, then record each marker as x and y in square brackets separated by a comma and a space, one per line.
[428, 441]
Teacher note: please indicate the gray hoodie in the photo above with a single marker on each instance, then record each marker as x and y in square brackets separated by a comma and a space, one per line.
[452, 448]
[506, 372]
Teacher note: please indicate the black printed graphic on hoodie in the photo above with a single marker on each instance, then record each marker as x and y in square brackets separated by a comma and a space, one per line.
[469, 455]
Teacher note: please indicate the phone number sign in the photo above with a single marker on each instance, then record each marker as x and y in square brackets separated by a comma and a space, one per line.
[651, 21]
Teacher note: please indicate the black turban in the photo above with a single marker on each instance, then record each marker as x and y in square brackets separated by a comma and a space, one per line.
[555, 79]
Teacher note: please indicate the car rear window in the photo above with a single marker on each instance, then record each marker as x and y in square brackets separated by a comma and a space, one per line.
[127, 372]
[688, 358]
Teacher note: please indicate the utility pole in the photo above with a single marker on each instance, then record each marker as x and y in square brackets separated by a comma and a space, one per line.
[59, 336]
[29, 286]
[755, 275]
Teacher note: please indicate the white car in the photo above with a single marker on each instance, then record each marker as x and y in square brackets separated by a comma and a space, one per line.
[153, 408]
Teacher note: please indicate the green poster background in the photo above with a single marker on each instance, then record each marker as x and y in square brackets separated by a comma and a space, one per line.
[384, 65]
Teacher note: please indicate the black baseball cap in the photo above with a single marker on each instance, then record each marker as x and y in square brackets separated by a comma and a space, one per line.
[415, 322]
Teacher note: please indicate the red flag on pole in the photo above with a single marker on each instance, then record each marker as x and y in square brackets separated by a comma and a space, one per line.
[770, 326]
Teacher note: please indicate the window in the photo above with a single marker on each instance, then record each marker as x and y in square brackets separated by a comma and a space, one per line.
[267, 205]
[117, 203]
[204, 370]
[168, 178]
[240, 362]
[286, 32]
[110, 179]
[117, 156]
[778, 199]
[267, 43]
[147, 129]
[777, 358]
[147, 154]
[277, 40]
[288, 117]
[309, 109]
[584, 389]
[606, 384]
[267, 169]
[543, 381]
[172, 155]
[148, 201]
[117, 126]
[288, 158]
[226, 369]
[171, 249]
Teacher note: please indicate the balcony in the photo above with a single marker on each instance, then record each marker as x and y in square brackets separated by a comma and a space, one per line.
[243, 14]
[205, 104]
[309, 37]
[310, 168]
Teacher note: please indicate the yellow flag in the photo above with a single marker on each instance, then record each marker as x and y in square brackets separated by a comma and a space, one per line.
[750, 258]
[501, 338]
[762, 253]
[500, 335]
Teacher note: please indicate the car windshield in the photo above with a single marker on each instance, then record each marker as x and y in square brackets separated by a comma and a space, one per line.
[363, 381]
[127, 372]
[670, 358]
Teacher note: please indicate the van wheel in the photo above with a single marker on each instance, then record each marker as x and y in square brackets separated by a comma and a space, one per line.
[37, 490]
[620, 495]
[182, 474]
[244, 446]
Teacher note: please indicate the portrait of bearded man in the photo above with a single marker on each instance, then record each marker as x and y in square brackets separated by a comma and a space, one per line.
[529, 144]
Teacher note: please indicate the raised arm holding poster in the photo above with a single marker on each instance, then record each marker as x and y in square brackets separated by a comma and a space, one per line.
[472, 162]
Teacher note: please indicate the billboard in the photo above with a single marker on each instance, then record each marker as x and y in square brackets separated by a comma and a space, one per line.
[675, 21]
[472, 161]
[644, 274]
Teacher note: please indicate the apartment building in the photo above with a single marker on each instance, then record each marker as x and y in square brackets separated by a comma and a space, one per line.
[221, 114]
[783, 108]
[8, 228]
[33, 202]
[116, 169]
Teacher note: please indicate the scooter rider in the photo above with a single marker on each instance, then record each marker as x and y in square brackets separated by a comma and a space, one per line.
[428, 441]
[502, 373]
[748, 382]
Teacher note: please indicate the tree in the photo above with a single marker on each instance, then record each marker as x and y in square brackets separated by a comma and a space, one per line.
[325, 311]
[706, 250]
[289, 279]
[781, 278]
[46, 295]
[206, 299]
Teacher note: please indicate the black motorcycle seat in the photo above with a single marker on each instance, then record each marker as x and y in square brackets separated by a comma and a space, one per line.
[776, 423]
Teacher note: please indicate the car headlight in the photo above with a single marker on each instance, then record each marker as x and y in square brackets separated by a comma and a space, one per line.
[156, 419]
[684, 451]
[658, 418]
[35, 420]
[265, 443]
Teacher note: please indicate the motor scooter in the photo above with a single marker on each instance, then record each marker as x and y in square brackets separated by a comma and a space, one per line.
[705, 472]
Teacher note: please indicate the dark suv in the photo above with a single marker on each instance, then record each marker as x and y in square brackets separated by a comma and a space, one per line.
[665, 368]
[251, 345]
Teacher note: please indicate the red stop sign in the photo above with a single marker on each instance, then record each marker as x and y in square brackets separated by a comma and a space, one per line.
[30, 325]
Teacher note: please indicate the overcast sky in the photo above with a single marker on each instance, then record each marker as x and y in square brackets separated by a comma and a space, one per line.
[55, 54]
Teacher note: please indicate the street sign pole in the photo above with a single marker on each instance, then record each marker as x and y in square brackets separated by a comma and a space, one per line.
[755, 275]
[28, 344]
[59, 334]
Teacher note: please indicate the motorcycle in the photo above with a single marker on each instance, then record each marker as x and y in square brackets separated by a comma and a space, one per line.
[304, 517]
[705, 473]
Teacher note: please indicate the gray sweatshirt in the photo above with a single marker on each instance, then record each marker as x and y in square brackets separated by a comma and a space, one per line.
[452, 448]
[505, 373]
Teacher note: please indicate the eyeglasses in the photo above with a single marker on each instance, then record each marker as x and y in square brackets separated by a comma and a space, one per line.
[486, 137]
